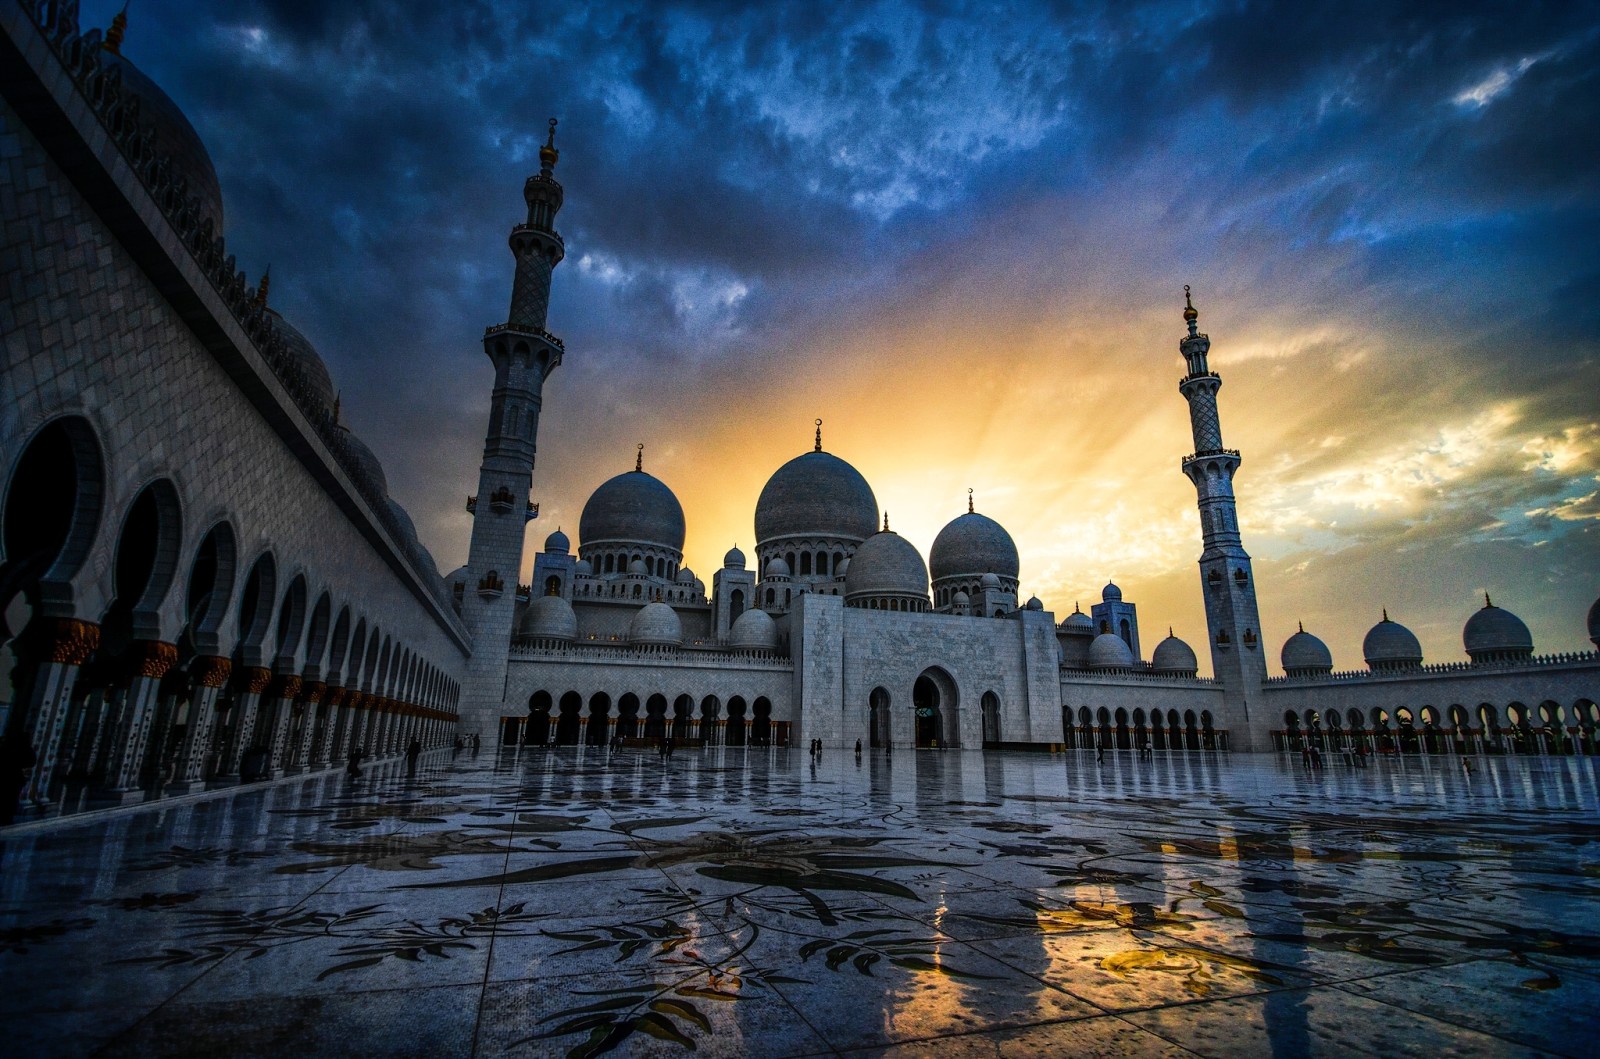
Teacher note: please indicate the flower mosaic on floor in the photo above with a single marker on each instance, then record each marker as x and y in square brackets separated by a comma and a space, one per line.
[579, 903]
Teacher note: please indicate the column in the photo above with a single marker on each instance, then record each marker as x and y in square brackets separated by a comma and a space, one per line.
[254, 681]
[281, 694]
[311, 693]
[50, 697]
[210, 675]
[325, 744]
[125, 754]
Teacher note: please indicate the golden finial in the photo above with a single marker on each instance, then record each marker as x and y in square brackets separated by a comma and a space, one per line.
[638, 459]
[114, 35]
[1190, 313]
[819, 437]
[548, 153]
[886, 522]
[263, 287]
[969, 500]
[1075, 609]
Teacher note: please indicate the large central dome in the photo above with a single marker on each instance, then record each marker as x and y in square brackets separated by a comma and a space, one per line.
[635, 507]
[816, 495]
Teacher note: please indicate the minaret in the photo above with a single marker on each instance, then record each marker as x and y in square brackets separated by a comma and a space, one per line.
[1234, 623]
[524, 354]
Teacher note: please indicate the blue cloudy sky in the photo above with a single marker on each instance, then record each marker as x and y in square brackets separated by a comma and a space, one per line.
[959, 232]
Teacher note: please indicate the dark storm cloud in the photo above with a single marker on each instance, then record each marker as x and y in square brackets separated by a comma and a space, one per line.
[749, 181]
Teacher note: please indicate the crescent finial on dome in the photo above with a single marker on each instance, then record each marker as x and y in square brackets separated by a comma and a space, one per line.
[969, 499]
[548, 155]
[886, 522]
[819, 437]
[114, 35]
[638, 459]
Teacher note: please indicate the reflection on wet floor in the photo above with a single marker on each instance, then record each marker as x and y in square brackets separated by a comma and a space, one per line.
[569, 902]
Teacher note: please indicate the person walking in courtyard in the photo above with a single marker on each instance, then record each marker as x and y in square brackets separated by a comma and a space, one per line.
[858, 751]
[353, 763]
[413, 751]
[1100, 754]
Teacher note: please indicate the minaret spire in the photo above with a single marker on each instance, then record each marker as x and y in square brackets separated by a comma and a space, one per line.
[524, 354]
[819, 437]
[1226, 578]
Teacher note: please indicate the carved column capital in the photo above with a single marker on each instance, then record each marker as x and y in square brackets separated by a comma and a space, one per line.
[255, 679]
[74, 641]
[313, 690]
[285, 686]
[153, 658]
[211, 672]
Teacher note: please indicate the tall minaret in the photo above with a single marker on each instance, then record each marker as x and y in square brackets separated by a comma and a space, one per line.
[524, 353]
[1233, 622]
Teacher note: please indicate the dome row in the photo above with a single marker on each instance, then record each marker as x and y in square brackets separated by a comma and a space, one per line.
[653, 625]
[1493, 634]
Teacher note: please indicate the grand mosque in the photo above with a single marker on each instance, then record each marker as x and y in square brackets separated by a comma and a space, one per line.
[204, 580]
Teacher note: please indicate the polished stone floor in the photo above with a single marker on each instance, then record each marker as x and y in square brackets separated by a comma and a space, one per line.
[560, 903]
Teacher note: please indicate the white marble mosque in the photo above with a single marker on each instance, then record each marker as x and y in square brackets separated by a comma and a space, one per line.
[205, 581]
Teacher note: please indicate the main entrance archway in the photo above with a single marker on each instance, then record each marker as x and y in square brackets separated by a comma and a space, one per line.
[933, 702]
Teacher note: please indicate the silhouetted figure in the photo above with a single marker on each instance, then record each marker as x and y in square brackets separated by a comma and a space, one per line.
[1100, 754]
[858, 751]
[353, 763]
[413, 752]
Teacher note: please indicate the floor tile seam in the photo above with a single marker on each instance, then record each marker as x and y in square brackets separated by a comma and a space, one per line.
[500, 783]
[1457, 1026]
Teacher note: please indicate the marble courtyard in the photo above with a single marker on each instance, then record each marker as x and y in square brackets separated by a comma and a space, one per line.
[732, 902]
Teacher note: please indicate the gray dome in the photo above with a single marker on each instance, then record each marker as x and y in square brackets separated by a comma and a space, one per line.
[367, 461]
[1305, 655]
[1172, 655]
[970, 545]
[1390, 645]
[754, 630]
[989, 580]
[685, 576]
[1078, 622]
[777, 567]
[305, 357]
[656, 623]
[584, 567]
[636, 568]
[1109, 652]
[407, 527]
[549, 618]
[842, 571]
[1034, 603]
[1594, 623]
[734, 560]
[635, 507]
[816, 495]
[886, 564]
[1495, 634]
[960, 599]
[1111, 594]
[557, 543]
[174, 137]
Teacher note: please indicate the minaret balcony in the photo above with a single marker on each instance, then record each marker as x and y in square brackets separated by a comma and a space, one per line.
[491, 586]
[1206, 454]
[527, 332]
[502, 500]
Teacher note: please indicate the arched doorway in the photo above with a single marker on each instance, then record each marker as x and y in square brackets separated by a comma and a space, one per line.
[655, 722]
[735, 732]
[878, 717]
[710, 708]
[537, 732]
[761, 725]
[934, 707]
[569, 725]
[599, 730]
[991, 719]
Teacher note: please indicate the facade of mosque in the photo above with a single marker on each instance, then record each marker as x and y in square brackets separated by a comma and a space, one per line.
[204, 579]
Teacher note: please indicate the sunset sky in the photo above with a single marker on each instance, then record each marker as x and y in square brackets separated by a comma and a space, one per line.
[959, 233]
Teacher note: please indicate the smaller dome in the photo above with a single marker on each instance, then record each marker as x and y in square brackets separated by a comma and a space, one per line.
[777, 568]
[961, 599]
[734, 560]
[754, 630]
[549, 618]
[991, 581]
[1306, 656]
[367, 461]
[972, 544]
[584, 567]
[1494, 634]
[636, 568]
[656, 624]
[1109, 652]
[1390, 645]
[842, 570]
[1111, 594]
[1173, 656]
[557, 543]
[685, 576]
[1034, 603]
[306, 358]
[886, 564]
[458, 574]
[1078, 623]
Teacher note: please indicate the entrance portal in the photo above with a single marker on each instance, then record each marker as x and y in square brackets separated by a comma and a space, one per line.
[927, 704]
